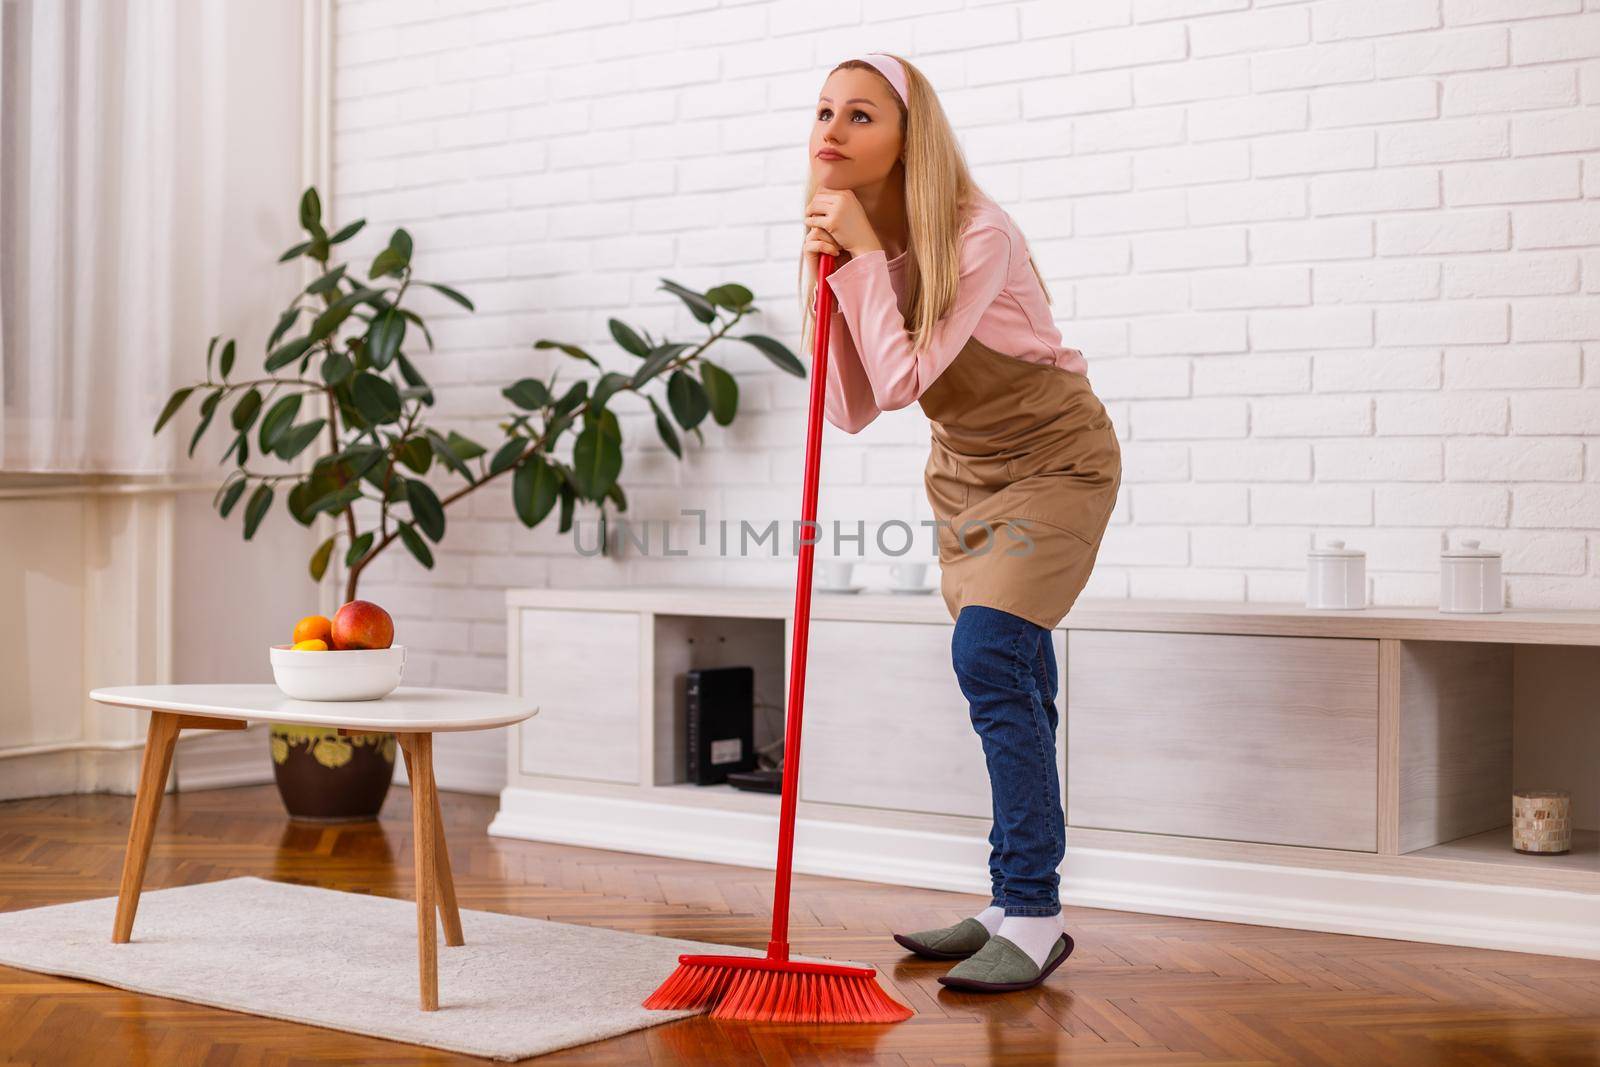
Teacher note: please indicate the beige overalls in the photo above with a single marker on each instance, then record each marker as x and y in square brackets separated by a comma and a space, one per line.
[1024, 468]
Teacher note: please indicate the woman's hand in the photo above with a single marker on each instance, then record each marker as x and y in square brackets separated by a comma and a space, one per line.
[819, 241]
[841, 214]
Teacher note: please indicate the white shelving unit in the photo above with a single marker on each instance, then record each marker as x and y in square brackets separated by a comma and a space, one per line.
[1265, 763]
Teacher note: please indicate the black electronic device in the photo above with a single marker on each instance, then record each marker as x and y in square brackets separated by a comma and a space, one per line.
[757, 781]
[720, 707]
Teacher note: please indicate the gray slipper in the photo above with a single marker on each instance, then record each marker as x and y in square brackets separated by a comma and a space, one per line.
[1002, 967]
[947, 942]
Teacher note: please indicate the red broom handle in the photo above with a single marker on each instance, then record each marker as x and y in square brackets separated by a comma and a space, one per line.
[778, 947]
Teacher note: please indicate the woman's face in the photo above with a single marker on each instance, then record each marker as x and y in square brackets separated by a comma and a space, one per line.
[857, 130]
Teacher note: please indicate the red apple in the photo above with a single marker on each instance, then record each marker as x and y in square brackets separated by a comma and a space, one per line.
[362, 624]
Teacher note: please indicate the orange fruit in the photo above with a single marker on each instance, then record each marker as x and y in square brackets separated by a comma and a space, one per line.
[311, 644]
[313, 627]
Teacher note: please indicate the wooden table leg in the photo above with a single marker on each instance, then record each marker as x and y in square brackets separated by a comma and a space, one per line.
[423, 801]
[153, 768]
[444, 883]
[159, 742]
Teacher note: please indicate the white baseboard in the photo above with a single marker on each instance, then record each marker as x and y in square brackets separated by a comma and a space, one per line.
[1302, 898]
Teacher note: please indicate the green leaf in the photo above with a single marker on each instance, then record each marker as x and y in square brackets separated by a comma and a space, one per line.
[414, 317]
[417, 453]
[347, 232]
[463, 447]
[226, 362]
[385, 263]
[211, 350]
[574, 396]
[297, 250]
[777, 352]
[292, 442]
[416, 544]
[658, 358]
[408, 371]
[256, 510]
[291, 351]
[596, 461]
[335, 500]
[376, 398]
[452, 294]
[241, 443]
[609, 384]
[336, 367]
[721, 390]
[425, 508]
[572, 350]
[286, 320]
[357, 549]
[698, 305]
[174, 402]
[732, 297]
[669, 436]
[507, 454]
[394, 259]
[687, 399]
[279, 417]
[569, 498]
[388, 330]
[533, 490]
[338, 311]
[311, 210]
[448, 457]
[630, 341]
[319, 560]
[327, 282]
[230, 496]
[208, 408]
[246, 410]
[530, 394]
[299, 493]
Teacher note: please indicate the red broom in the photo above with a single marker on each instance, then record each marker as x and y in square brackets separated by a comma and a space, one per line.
[773, 987]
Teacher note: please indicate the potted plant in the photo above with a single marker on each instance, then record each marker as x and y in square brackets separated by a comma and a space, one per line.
[342, 343]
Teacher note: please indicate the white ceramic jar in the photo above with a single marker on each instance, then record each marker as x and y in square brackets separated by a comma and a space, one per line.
[1336, 577]
[1470, 579]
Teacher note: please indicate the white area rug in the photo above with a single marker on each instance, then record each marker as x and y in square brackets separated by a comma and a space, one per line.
[519, 987]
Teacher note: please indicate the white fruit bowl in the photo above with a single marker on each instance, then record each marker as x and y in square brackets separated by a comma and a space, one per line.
[338, 674]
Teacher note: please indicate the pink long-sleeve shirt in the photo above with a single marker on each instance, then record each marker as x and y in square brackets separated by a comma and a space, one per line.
[871, 368]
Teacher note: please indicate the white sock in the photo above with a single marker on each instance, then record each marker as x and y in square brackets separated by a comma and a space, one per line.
[990, 918]
[1034, 934]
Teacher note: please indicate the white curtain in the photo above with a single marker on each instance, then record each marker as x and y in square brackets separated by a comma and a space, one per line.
[111, 128]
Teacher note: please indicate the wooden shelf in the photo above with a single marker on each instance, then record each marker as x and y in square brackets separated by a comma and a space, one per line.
[1494, 847]
[1557, 626]
[1258, 762]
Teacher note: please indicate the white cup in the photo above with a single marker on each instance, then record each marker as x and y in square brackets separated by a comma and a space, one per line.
[833, 573]
[908, 575]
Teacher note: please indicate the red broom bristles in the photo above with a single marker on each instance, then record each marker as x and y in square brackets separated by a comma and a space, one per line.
[761, 990]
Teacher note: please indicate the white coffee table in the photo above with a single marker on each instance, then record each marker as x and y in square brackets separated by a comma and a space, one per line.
[414, 714]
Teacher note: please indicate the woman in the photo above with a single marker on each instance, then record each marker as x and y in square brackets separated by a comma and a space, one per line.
[939, 303]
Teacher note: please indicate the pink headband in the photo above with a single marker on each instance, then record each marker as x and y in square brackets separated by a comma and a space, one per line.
[890, 68]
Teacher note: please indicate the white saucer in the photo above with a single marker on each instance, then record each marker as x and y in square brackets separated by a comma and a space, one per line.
[847, 589]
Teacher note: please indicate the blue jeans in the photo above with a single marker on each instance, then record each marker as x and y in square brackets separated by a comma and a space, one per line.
[1006, 667]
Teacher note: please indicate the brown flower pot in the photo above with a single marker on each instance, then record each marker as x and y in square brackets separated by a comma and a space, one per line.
[324, 776]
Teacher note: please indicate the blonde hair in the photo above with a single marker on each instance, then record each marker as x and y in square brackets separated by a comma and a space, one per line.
[938, 190]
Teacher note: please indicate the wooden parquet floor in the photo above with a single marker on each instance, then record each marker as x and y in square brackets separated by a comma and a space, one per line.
[1139, 990]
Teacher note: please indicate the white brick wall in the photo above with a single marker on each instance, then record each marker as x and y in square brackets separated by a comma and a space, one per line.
[1335, 266]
